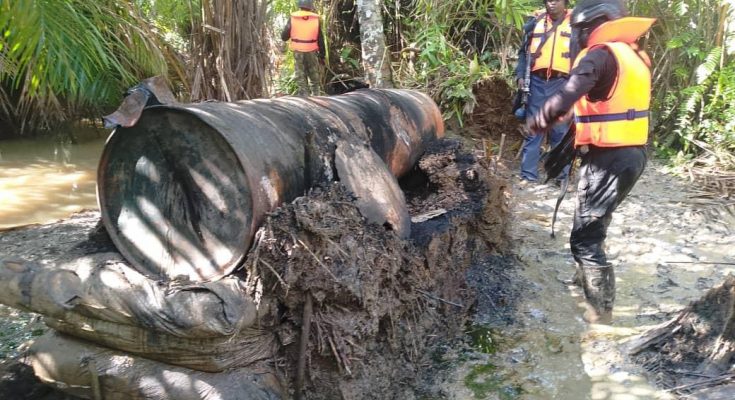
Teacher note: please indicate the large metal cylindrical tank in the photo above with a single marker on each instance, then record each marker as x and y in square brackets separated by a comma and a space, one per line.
[183, 191]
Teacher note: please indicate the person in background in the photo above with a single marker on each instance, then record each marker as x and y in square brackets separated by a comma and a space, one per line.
[546, 46]
[304, 34]
[609, 89]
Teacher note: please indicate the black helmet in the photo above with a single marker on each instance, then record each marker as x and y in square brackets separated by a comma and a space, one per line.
[307, 4]
[595, 12]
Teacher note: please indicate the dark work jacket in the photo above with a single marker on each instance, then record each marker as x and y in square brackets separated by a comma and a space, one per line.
[594, 76]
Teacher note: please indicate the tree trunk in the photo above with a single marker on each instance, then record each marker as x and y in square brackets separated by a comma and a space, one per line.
[375, 56]
[230, 50]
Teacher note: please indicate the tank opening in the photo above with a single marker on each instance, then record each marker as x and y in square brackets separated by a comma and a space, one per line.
[416, 185]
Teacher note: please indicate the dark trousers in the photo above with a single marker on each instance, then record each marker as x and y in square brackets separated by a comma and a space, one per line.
[605, 178]
[306, 68]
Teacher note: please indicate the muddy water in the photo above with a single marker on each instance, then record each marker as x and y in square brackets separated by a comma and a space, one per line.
[45, 180]
[665, 242]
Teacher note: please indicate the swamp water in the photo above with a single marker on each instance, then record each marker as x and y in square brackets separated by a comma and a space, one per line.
[42, 180]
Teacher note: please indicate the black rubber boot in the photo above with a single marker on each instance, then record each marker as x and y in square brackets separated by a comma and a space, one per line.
[599, 289]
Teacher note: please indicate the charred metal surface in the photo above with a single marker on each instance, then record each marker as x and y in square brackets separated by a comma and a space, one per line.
[379, 197]
[184, 190]
[149, 92]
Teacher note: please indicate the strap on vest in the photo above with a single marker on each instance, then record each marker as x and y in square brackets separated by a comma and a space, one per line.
[302, 41]
[623, 116]
[545, 36]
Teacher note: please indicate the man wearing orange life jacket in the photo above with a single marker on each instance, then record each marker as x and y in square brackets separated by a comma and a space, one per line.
[610, 90]
[546, 46]
[307, 43]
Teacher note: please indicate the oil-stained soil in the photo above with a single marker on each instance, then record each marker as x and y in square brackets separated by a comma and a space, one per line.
[381, 305]
[18, 382]
[670, 242]
[386, 311]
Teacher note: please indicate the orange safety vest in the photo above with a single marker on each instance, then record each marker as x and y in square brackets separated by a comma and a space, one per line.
[304, 31]
[554, 55]
[622, 118]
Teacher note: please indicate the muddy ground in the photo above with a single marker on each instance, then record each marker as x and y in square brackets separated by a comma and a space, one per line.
[665, 240]
[691, 354]
[670, 243]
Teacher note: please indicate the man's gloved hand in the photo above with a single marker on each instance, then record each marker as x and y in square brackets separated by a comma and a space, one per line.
[536, 123]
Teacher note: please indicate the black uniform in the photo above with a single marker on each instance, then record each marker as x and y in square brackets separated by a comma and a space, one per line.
[607, 174]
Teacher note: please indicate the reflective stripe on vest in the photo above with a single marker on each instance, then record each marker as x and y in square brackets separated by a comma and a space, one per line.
[304, 31]
[621, 119]
[555, 53]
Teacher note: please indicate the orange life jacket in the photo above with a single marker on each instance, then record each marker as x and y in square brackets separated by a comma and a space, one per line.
[554, 55]
[622, 118]
[304, 31]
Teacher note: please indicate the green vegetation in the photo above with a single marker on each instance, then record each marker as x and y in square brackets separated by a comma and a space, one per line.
[484, 339]
[60, 59]
[484, 380]
[693, 90]
[455, 44]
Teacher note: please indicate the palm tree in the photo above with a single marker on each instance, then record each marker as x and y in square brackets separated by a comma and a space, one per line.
[66, 58]
[231, 49]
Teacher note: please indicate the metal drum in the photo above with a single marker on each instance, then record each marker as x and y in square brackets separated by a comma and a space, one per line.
[183, 191]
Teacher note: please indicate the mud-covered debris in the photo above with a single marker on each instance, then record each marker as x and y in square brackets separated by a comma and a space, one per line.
[694, 350]
[380, 302]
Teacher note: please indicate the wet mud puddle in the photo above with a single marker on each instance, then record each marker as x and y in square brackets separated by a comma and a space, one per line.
[665, 241]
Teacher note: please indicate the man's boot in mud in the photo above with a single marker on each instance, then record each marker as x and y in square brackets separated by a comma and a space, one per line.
[599, 288]
[577, 279]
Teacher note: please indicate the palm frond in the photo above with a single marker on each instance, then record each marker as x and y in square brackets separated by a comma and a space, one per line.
[709, 66]
[72, 54]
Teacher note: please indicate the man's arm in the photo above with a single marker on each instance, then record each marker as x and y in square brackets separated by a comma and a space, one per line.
[286, 34]
[594, 75]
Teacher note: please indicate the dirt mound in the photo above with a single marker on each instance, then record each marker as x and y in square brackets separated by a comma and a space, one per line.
[694, 351]
[379, 302]
[492, 114]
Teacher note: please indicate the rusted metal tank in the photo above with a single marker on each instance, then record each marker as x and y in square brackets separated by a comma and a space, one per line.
[184, 190]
